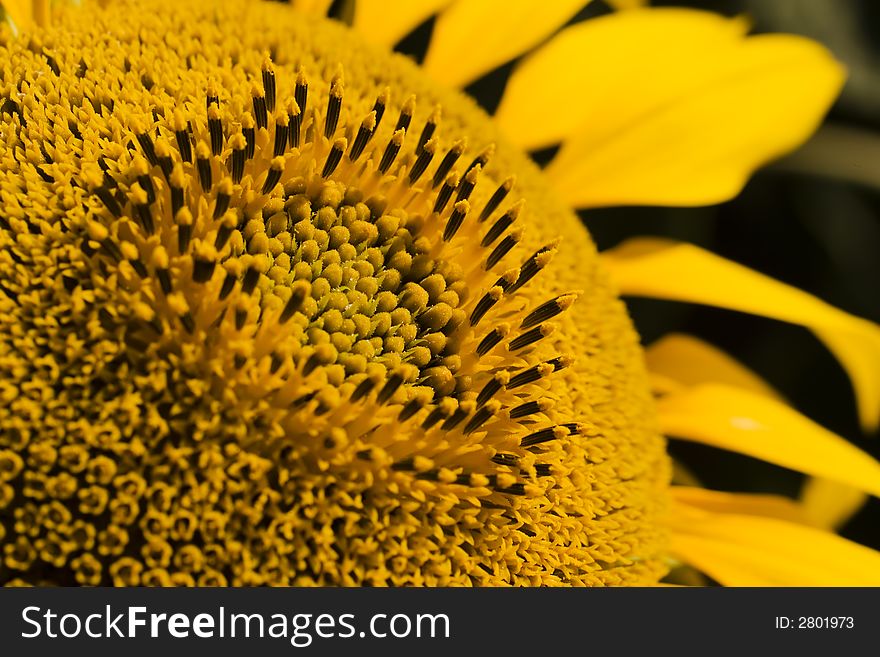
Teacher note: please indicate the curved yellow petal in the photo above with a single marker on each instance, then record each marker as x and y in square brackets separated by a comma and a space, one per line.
[385, 22]
[702, 147]
[748, 423]
[745, 550]
[690, 361]
[683, 272]
[666, 107]
[830, 504]
[471, 38]
[750, 504]
[609, 71]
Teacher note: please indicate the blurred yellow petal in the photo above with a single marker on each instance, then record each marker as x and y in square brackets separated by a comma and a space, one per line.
[752, 424]
[385, 22]
[830, 504]
[608, 72]
[690, 361]
[683, 272]
[749, 504]
[666, 107]
[19, 12]
[472, 38]
[744, 550]
[319, 7]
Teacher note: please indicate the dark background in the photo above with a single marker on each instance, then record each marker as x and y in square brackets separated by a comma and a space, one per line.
[811, 220]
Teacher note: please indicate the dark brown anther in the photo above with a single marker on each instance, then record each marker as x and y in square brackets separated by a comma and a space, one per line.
[423, 160]
[146, 143]
[445, 193]
[204, 167]
[294, 303]
[455, 220]
[428, 130]
[109, 201]
[434, 417]
[364, 134]
[526, 409]
[215, 129]
[528, 338]
[269, 85]
[501, 250]
[412, 407]
[222, 203]
[333, 158]
[489, 342]
[240, 318]
[146, 181]
[282, 125]
[489, 390]
[164, 277]
[145, 218]
[250, 280]
[387, 392]
[497, 197]
[363, 389]
[485, 304]
[532, 266]
[454, 420]
[227, 286]
[448, 162]
[406, 114]
[301, 92]
[294, 116]
[238, 160]
[276, 168]
[203, 270]
[467, 184]
[509, 460]
[261, 113]
[478, 420]
[184, 145]
[391, 150]
[334, 108]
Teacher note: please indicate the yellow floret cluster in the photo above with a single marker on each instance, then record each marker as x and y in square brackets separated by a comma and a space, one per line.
[276, 310]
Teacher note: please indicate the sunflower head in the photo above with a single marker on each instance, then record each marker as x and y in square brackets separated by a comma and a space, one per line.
[276, 309]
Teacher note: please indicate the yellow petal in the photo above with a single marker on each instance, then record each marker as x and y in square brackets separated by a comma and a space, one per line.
[385, 22]
[319, 7]
[752, 424]
[689, 361]
[666, 107]
[750, 504]
[702, 147]
[18, 12]
[683, 272]
[830, 504]
[743, 550]
[471, 38]
[610, 71]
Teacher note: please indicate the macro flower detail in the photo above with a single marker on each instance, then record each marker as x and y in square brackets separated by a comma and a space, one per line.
[277, 308]
[297, 324]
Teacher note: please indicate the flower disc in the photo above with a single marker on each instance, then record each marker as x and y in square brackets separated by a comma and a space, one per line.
[275, 309]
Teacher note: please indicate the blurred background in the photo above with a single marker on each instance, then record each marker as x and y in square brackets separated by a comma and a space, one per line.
[811, 220]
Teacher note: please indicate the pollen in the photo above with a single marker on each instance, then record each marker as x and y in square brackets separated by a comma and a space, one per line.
[274, 310]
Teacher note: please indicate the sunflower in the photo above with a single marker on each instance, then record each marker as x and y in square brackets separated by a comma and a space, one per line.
[278, 306]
